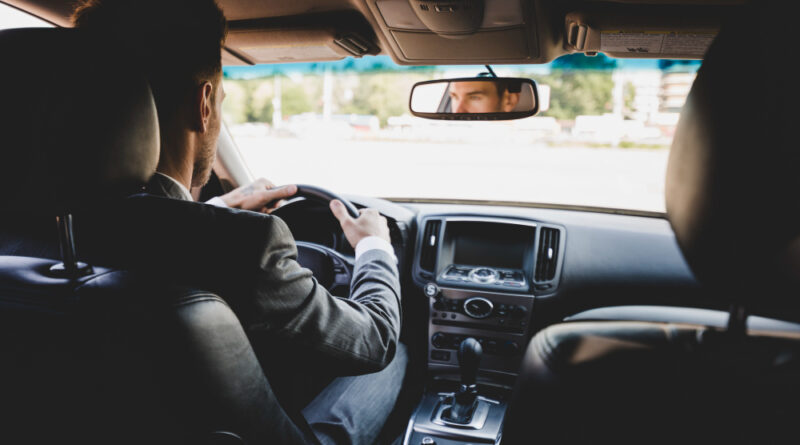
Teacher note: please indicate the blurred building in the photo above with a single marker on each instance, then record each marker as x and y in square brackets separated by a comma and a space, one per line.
[675, 87]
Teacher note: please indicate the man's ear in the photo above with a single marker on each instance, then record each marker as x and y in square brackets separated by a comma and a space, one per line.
[203, 106]
[510, 101]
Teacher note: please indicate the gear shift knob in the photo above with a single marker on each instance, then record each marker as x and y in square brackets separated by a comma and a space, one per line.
[469, 358]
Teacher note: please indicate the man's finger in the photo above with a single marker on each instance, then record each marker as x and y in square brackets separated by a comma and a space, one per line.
[280, 193]
[338, 210]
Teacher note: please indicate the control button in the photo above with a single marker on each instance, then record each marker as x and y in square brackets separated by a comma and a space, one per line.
[431, 290]
[442, 356]
[453, 316]
[510, 348]
[444, 315]
[427, 440]
[490, 346]
[518, 312]
[439, 305]
[483, 275]
[478, 307]
[501, 310]
[439, 340]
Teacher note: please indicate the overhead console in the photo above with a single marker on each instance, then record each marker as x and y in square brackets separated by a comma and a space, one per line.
[463, 31]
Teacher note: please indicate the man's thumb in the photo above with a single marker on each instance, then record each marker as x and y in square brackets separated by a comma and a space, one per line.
[338, 210]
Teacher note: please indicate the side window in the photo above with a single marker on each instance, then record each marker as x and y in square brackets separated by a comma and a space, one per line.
[14, 18]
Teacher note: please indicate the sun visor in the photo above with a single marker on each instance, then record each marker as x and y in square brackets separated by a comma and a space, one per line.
[665, 35]
[259, 42]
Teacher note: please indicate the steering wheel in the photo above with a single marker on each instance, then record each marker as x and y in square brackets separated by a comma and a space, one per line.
[324, 196]
[332, 270]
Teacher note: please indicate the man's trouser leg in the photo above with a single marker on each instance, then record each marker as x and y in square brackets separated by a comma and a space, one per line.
[352, 410]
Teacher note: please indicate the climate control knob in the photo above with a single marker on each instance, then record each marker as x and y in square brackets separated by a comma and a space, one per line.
[478, 307]
[439, 340]
[518, 312]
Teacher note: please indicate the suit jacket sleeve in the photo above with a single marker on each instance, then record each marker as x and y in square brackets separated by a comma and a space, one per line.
[358, 334]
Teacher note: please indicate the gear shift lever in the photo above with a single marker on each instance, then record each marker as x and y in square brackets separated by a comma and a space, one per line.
[464, 401]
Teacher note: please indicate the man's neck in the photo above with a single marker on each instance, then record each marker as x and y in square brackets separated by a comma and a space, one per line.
[176, 161]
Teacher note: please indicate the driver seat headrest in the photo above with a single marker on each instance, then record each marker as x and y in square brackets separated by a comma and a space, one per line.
[79, 124]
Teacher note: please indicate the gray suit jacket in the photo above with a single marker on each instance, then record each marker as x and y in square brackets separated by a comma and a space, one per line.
[250, 260]
[278, 299]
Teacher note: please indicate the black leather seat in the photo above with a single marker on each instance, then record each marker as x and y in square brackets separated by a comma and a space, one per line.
[658, 375]
[90, 354]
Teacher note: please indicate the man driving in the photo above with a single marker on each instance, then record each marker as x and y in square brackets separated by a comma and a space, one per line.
[482, 97]
[253, 256]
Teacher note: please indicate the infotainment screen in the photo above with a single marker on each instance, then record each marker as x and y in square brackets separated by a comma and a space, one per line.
[490, 244]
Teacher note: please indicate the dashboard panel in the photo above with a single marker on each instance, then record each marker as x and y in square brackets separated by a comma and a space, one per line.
[499, 274]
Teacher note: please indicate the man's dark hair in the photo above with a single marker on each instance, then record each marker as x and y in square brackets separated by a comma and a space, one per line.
[510, 85]
[178, 43]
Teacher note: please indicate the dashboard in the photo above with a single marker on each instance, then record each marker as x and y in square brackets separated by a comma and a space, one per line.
[500, 274]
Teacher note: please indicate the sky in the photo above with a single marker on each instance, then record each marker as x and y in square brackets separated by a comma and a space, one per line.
[370, 63]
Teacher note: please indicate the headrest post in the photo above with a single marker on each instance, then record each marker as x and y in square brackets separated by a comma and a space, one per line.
[70, 267]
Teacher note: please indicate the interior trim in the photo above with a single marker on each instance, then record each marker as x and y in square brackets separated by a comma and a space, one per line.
[534, 205]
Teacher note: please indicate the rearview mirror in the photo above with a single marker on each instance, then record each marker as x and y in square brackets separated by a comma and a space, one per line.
[475, 98]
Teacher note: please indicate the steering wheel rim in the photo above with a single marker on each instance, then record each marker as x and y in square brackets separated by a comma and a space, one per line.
[321, 195]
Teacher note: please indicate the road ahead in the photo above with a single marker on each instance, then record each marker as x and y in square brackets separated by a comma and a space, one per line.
[604, 177]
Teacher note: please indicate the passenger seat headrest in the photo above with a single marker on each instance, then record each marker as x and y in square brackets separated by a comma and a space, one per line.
[78, 123]
[733, 177]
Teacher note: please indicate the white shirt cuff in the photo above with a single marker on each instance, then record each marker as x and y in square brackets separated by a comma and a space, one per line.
[217, 201]
[374, 242]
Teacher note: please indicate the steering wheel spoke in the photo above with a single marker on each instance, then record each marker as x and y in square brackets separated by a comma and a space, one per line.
[332, 270]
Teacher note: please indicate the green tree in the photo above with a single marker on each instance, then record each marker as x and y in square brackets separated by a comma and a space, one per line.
[248, 100]
[577, 92]
[379, 94]
[295, 98]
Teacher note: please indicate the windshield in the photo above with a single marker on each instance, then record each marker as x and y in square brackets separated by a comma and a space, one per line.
[601, 139]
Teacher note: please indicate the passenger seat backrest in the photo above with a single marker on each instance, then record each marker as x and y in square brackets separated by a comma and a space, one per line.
[661, 375]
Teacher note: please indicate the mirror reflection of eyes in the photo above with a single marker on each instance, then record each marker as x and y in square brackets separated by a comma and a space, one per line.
[497, 98]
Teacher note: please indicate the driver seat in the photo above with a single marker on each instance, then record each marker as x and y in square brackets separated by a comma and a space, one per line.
[94, 354]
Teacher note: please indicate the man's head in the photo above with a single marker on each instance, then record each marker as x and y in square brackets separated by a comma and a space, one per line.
[484, 96]
[178, 44]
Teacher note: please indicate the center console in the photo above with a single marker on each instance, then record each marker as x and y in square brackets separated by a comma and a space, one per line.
[480, 276]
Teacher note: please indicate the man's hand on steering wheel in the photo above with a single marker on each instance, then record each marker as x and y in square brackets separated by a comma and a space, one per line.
[369, 223]
[259, 196]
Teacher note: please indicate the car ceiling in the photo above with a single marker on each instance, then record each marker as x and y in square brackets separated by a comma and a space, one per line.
[512, 31]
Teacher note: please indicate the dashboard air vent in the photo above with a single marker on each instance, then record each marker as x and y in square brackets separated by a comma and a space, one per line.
[547, 256]
[430, 241]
